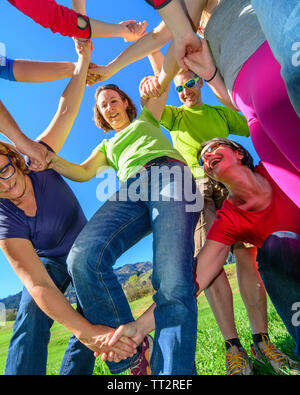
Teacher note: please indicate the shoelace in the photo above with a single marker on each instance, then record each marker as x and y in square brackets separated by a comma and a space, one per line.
[235, 362]
[271, 351]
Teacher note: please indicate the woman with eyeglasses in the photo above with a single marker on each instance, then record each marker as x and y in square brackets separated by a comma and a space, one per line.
[40, 218]
[153, 197]
[256, 211]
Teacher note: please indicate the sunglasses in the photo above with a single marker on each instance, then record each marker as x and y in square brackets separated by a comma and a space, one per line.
[212, 147]
[8, 170]
[189, 84]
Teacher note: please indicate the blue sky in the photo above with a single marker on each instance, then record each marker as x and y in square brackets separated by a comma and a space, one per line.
[34, 105]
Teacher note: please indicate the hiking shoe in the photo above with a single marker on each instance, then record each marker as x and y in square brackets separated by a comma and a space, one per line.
[238, 362]
[142, 365]
[265, 352]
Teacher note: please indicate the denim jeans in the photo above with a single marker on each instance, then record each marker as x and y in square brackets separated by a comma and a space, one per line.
[279, 267]
[28, 348]
[279, 20]
[118, 225]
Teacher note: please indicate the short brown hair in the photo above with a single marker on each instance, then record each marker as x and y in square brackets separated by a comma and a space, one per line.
[8, 149]
[99, 119]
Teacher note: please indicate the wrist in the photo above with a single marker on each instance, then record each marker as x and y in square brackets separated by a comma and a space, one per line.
[211, 76]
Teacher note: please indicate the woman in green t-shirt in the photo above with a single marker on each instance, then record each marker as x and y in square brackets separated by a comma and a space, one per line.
[159, 197]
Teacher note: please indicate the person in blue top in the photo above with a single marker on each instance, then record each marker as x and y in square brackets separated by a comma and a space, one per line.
[36, 235]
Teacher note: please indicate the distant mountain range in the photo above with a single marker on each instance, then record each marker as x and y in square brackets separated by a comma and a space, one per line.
[123, 273]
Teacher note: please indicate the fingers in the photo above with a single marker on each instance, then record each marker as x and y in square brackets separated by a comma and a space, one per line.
[150, 87]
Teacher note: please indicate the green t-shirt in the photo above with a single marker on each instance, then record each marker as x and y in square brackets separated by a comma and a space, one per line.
[189, 127]
[131, 148]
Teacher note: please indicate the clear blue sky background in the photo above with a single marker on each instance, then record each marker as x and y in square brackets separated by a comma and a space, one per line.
[34, 105]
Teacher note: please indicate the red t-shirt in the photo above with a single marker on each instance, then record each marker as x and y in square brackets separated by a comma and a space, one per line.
[234, 224]
[51, 15]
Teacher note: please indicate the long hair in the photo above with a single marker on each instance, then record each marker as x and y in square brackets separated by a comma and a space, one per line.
[8, 149]
[99, 119]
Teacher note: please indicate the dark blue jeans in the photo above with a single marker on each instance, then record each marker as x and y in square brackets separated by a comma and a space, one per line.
[279, 267]
[118, 225]
[28, 347]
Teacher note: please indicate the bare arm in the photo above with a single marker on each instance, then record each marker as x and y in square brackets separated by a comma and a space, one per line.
[176, 16]
[79, 6]
[36, 152]
[175, 57]
[60, 126]
[210, 262]
[83, 172]
[136, 51]
[202, 64]
[32, 273]
[35, 71]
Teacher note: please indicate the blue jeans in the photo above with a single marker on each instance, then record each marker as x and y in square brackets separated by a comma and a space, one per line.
[28, 348]
[279, 267]
[279, 20]
[118, 225]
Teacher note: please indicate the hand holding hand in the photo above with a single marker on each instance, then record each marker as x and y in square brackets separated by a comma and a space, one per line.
[133, 30]
[185, 45]
[130, 330]
[99, 343]
[36, 152]
[150, 87]
[83, 47]
[97, 74]
[201, 62]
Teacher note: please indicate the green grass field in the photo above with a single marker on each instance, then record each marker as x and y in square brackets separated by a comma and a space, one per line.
[210, 359]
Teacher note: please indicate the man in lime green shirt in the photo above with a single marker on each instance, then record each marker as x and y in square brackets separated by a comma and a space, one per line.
[192, 124]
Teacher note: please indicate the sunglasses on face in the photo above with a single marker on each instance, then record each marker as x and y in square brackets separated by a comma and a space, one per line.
[8, 170]
[189, 84]
[212, 147]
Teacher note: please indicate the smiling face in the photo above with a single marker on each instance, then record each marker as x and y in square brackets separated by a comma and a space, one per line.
[113, 109]
[218, 158]
[189, 96]
[14, 187]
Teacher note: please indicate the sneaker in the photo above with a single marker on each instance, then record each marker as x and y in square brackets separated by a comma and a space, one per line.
[265, 352]
[238, 362]
[142, 365]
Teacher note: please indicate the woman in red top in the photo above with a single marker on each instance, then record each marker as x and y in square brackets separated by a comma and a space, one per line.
[256, 211]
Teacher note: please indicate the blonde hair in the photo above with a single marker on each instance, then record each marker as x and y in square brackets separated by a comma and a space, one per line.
[8, 149]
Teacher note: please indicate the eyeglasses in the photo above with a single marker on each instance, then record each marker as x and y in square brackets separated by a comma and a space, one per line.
[8, 170]
[189, 84]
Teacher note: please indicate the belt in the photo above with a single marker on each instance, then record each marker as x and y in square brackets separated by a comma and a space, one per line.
[161, 160]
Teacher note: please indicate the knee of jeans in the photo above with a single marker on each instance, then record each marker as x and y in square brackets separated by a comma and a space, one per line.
[89, 258]
[31, 317]
[176, 291]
